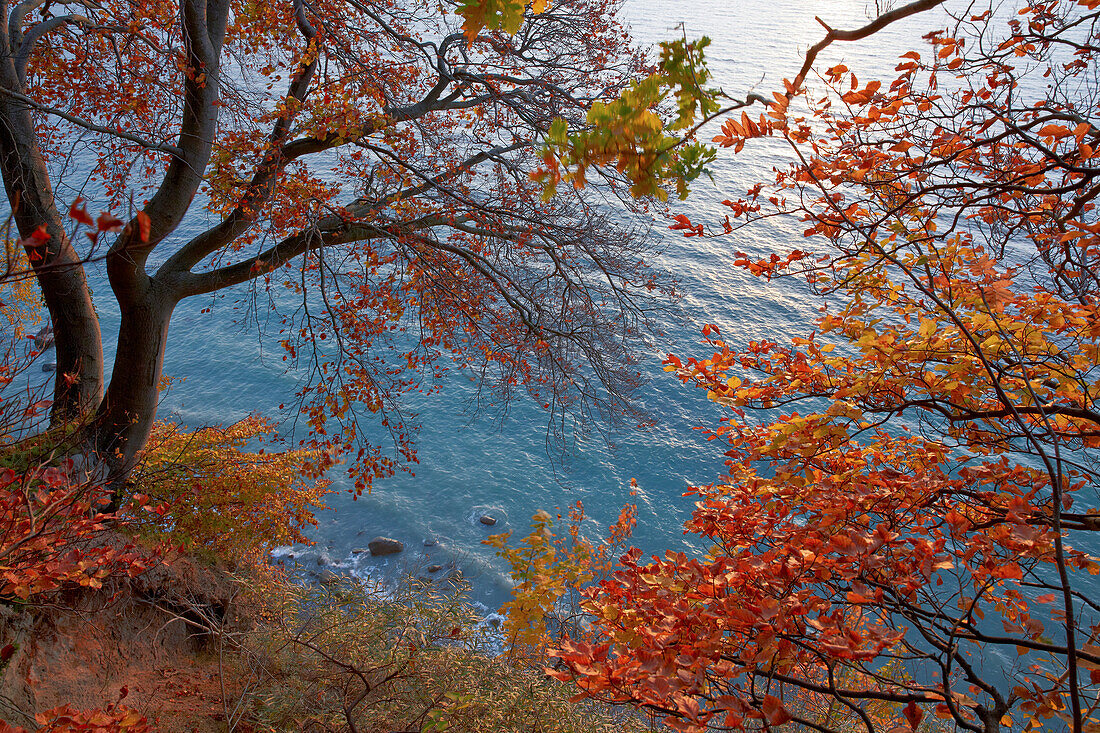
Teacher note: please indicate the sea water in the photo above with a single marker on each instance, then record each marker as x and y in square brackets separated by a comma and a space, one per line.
[470, 466]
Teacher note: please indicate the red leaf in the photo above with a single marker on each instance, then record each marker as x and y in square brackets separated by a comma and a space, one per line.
[774, 711]
[913, 714]
[78, 212]
[33, 244]
[107, 223]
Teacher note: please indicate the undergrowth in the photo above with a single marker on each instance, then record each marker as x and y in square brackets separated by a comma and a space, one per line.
[347, 657]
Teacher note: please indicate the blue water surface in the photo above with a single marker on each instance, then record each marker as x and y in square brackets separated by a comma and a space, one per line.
[471, 466]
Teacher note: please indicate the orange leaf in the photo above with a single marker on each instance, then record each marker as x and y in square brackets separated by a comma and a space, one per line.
[143, 225]
[913, 714]
[774, 711]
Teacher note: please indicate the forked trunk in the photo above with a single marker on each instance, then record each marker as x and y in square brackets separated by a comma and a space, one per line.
[125, 417]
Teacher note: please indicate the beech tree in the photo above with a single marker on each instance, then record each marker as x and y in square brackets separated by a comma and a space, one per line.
[377, 153]
[906, 532]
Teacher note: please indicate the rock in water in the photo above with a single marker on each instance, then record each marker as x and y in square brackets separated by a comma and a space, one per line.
[434, 568]
[44, 338]
[49, 366]
[487, 520]
[385, 546]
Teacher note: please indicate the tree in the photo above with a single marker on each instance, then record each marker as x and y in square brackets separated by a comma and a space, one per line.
[905, 529]
[375, 149]
[53, 536]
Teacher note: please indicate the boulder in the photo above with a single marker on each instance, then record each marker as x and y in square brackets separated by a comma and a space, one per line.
[487, 520]
[385, 546]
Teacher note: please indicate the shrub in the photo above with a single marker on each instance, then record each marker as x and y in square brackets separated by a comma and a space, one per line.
[344, 657]
[51, 534]
[224, 502]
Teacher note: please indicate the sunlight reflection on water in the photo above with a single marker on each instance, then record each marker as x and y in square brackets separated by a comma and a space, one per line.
[468, 465]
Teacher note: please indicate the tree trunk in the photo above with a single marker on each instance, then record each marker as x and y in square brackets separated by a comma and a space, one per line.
[57, 265]
[125, 417]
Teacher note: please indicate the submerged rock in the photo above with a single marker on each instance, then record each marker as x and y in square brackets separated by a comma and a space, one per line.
[44, 338]
[385, 546]
[430, 542]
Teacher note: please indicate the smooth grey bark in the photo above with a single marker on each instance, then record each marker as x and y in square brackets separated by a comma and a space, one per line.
[125, 416]
[79, 383]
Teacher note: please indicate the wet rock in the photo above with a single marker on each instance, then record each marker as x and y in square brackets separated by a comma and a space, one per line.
[359, 551]
[328, 577]
[324, 559]
[434, 568]
[487, 520]
[49, 366]
[44, 338]
[385, 546]
[430, 542]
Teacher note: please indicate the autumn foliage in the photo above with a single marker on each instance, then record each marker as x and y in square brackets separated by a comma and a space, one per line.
[216, 493]
[363, 169]
[53, 523]
[549, 569]
[904, 533]
[51, 534]
[225, 495]
[64, 719]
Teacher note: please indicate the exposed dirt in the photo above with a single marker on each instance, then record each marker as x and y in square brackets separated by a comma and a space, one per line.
[141, 640]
